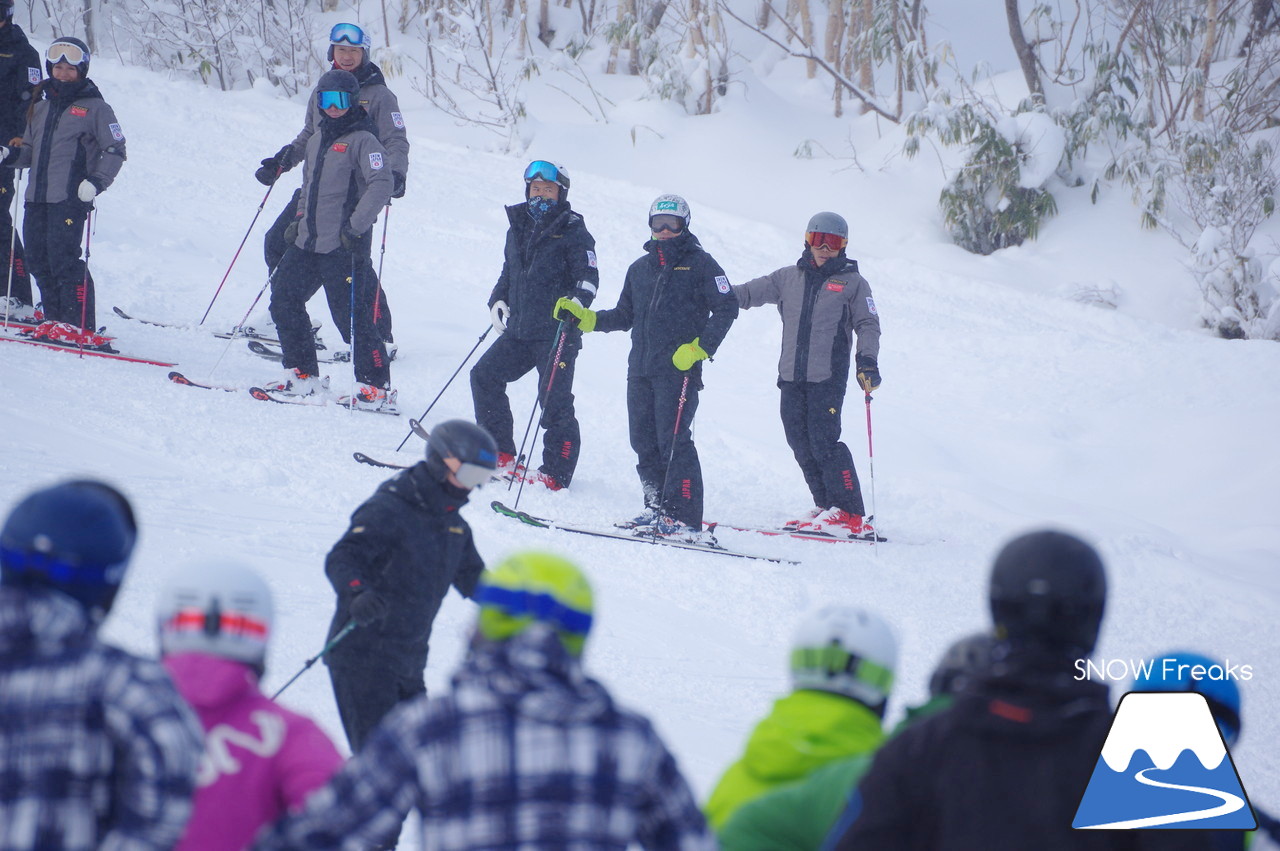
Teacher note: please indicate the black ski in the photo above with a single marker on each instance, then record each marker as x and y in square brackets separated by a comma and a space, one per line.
[543, 523]
[263, 349]
[281, 399]
[233, 334]
[797, 534]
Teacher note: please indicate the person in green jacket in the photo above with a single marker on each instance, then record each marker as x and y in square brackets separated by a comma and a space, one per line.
[842, 664]
[799, 815]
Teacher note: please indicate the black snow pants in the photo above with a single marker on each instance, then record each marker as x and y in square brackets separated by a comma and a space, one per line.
[53, 233]
[274, 247]
[653, 406]
[509, 359]
[300, 274]
[17, 282]
[811, 422]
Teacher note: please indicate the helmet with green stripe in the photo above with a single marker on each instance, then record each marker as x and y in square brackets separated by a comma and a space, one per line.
[535, 587]
[845, 650]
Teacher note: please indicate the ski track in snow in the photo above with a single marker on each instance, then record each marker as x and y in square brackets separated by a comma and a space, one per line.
[1005, 407]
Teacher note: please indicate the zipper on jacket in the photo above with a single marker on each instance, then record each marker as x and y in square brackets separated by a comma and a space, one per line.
[46, 148]
[315, 193]
[812, 286]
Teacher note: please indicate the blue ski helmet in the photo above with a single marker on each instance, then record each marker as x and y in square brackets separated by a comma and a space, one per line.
[1174, 672]
[75, 537]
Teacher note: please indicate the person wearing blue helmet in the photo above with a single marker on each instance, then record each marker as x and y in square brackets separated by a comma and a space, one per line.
[97, 748]
[1184, 670]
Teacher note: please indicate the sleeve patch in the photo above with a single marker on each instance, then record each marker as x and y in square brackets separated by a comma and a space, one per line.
[397, 119]
[116, 132]
[34, 76]
[871, 305]
[591, 259]
[722, 284]
[375, 161]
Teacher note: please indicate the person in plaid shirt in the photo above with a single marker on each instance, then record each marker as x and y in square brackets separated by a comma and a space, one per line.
[97, 749]
[525, 750]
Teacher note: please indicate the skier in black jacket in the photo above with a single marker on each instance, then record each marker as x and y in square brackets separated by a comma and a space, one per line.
[392, 569]
[549, 254]
[19, 74]
[1004, 768]
[678, 304]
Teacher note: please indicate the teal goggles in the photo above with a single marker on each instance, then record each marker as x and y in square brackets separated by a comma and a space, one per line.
[542, 170]
[347, 34]
[342, 100]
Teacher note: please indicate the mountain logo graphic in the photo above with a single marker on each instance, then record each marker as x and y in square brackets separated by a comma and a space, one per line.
[1164, 765]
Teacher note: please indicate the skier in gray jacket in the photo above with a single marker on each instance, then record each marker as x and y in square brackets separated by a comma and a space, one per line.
[345, 185]
[824, 303]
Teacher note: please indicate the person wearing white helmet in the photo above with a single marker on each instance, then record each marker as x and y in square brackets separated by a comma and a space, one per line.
[215, 621]
[678, 304]
[843, 660]
[824, 303]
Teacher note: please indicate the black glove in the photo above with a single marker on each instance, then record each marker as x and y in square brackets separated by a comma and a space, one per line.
[291, 232]
[868, 373]
[273, 167]
[398, 180]
[368, 607]
[351, 240]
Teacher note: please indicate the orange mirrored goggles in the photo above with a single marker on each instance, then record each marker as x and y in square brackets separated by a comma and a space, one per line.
[833, 241]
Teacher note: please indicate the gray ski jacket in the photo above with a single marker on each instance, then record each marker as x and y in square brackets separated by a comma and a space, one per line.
[383, 108]
[821, 309]
[68, 139]
[345, 181]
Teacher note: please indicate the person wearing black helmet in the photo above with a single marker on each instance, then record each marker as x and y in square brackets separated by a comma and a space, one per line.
[349, 47]
[406, 545]
[97, 748]
[824, 304]
[549, 254]
[1005, 765]
[74, 147]
[19, 75]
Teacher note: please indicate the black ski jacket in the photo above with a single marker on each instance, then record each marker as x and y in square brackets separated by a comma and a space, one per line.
[408, 543]
[20, 71]
[543, 262]
[673, 294]
[1003, 769]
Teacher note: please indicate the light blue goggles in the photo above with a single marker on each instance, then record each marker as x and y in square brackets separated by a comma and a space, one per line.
[542, 170]
[342, 100]
[347, 34]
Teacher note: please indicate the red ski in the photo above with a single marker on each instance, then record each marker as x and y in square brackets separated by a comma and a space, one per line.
[76, 350]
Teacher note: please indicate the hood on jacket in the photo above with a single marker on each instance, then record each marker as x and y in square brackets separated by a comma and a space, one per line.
[209, 682]
[535, 676]
[61, 93]
[678, 245]
[807, 729]
[369, 74]
[834, 266]
[355, 118]
[417, 487]
[41, 622]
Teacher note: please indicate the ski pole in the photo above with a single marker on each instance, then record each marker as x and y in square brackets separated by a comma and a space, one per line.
[552, 367]
[352, 332]
[671, 456]
[13, 241]
[382, 254]
[871, 460]
[241, 248]
[240, 325]
[447, 383]
[84, 285]
[342, 633]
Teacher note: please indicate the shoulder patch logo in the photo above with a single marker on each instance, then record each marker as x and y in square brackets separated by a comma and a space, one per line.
[34, 76]
[591, 259]
[339, 147]
[79, 111]
[116, 132]
[397, 120]
[871, 306]
[375, 161]
[722, 284]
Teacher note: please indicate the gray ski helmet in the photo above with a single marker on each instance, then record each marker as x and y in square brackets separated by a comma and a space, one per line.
[350, 35]
[961, 661]
[218, 608]
[74, 537]
[467, 442]
[1048, 588]
[670, 205]
[67, 49]
[828, 223]
[548, 171]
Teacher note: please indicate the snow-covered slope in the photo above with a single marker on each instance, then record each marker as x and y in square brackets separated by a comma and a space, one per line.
[1006, 405]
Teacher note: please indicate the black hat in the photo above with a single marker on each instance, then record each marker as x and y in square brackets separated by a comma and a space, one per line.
[338, 80]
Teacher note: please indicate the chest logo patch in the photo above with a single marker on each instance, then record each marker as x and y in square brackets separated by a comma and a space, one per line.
[375, 161]
[835, 286]
[722, 284]
[79, 111]
[339, 147]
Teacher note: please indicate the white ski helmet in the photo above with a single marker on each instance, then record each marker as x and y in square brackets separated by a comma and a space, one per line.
[221, 608]
[845, 650]
[670, 205]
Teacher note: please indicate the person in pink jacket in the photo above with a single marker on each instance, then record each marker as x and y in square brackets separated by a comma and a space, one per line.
[260, 760]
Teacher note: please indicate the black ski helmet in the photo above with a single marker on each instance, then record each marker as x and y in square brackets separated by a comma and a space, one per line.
[76, 537]
[63, 49]
[338, 80]
[1048, 588]
[961, 661]
[467, 442]
[6, 9]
